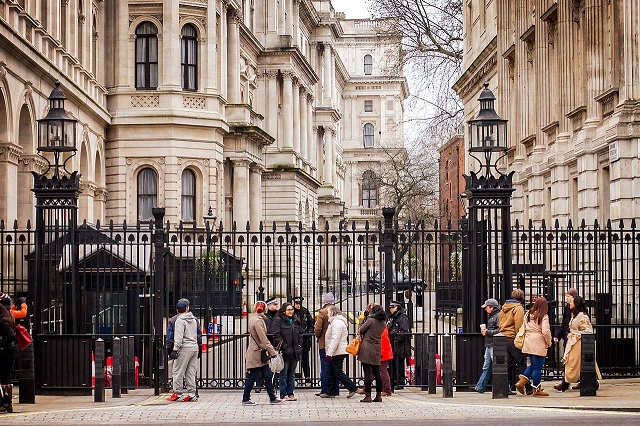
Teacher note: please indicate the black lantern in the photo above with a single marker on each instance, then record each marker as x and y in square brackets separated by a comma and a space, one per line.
[487, 132]
[57, 131]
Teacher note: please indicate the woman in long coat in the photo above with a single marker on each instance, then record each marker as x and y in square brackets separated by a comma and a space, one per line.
[579, 324]
[335, 347]
[9, 352]
[253, 359]
[537, 339]
[370, 351]
[287, 334]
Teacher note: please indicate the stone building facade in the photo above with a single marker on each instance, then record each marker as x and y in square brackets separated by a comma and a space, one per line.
[255, 108]
[566, 76]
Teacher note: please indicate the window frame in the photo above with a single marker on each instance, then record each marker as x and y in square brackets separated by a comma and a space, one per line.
[368, 103]
[140, 195]
[368, 139]
[186, 62]
[144, 40]
[368, 64]
[369, 190]
[191, 198]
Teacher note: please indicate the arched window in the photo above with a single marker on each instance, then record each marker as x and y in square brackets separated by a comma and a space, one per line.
[146, 56]
[367, 135]
[189, 52]
[147, 193]
[369, 190]
[368, 64]
[188, 195]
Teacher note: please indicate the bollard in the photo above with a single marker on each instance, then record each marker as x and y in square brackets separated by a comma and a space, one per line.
[98, 391]
[124, 362]
[27, 376]
[116, 379]
[131, 364]
[500, 376]
[447, 367]
[422, 357]
[433, 350]
[588, 377]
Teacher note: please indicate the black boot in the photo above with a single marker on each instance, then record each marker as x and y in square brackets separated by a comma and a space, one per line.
[7, 400]
[563, 386]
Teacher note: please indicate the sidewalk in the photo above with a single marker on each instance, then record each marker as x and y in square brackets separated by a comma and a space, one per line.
[617, 401]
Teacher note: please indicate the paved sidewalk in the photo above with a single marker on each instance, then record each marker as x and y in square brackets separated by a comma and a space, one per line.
[617, 401]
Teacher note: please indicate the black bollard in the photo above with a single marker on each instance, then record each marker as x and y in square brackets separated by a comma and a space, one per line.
[116, 374]
[500, 376]
[27, 376]
[124, 365]
[422, 356]
[588, 377]
[447, 367]
[433, 350]
[98, 390]
[131, 365]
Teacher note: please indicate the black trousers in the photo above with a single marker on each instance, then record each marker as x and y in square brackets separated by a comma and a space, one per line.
[516, 363]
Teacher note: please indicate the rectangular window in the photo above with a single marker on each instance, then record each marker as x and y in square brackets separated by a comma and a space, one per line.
[368, 106]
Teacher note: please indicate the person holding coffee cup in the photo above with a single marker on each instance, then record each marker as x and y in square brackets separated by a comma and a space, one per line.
[492, 308]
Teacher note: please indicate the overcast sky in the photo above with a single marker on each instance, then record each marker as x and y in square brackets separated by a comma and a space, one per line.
[353, 8]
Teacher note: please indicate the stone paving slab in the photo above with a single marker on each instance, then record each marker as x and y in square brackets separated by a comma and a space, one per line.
[223, 407]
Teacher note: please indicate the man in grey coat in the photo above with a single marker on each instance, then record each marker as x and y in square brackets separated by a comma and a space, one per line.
[184, 354]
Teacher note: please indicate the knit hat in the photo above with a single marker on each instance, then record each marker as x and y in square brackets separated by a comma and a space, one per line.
[5, 300]
[328, 298]
[572, 292]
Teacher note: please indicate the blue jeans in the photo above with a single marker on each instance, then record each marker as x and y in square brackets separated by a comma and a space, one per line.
[288, 378]
[325, 373]
[534, 371]
[251, 380]
[487, 369]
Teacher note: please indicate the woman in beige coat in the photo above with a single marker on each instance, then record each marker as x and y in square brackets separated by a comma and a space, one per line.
[254, 363]
[537, 340]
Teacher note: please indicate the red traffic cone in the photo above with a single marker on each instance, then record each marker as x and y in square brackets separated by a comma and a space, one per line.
[244, 309]
[204, 339]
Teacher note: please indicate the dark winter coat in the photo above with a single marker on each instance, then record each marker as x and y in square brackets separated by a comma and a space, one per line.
[563, 330]
[288, 336]
[371, 332]
[492, 328]
[9, 348]
[398, 324]
[269, 317]
[306, 324]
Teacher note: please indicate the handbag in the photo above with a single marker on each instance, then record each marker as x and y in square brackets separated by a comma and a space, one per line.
[23, 337]
[264, 354]
[519, 340]
[354, 346]
[276, 363]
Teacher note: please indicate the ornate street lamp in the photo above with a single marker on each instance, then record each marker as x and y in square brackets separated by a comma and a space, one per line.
[57, 131]
[487, 133]
[487, 227]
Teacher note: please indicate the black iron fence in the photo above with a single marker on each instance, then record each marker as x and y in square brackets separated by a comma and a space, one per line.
[119, 279]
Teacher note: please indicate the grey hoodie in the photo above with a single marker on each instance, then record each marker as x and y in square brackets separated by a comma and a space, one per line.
[185, 336]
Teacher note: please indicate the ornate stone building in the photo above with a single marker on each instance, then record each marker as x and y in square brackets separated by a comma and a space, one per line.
[261, 109]
[566, 76]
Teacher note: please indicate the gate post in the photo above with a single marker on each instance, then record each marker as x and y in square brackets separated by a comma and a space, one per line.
[588, 375]
[500, 376]
[388, 237]
[98, 390]
[159, 358]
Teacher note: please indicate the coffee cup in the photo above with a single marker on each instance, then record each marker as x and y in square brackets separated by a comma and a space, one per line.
[483, 327]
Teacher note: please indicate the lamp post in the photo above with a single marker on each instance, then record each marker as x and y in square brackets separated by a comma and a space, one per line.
[487, 269]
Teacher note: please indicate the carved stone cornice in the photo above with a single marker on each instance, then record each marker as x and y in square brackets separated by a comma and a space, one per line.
[478, 71]
[100, 194]
[288, 74]
[10, 153]
[271, 73]
[32, 163]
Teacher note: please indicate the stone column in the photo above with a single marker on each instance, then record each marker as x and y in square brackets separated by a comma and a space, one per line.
[383, 117]
[211, 72]
[272, 105]
[170, 60]
[312, 140]
[353, 133]
[121, 59]
[255, 197]
[328, 156]
[296, 22]
[302, 117]
[565, 45]
[594, 43]
[287, 110]
[241, 193]
[328, 71]
[221, 51]
[296, 115]
[233, 57]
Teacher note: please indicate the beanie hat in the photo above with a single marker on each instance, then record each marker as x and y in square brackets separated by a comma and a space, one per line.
[572, 292]
[328, 298]
[5, 300]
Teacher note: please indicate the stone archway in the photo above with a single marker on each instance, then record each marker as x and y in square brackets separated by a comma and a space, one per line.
[25, 198]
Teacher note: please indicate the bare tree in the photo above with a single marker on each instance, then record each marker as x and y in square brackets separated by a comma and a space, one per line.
[408, 181]
[431, 39]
